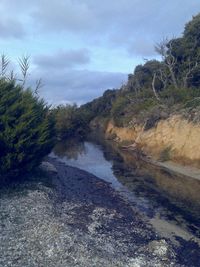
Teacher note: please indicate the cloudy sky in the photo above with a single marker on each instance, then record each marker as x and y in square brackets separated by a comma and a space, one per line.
[82, 47]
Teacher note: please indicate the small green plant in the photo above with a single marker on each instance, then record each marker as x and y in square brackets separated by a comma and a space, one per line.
[165, 154]
[193, 103]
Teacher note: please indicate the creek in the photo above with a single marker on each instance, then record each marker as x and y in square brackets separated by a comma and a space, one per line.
[171, 203]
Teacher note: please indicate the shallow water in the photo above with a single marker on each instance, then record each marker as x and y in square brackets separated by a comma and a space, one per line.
[171, 203]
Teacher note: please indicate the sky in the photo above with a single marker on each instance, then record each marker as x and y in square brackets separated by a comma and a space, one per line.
[80, 48]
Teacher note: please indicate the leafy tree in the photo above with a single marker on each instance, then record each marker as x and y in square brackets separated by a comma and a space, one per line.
[181, 56]
[174, 80]
[101, 106]
[192, 37]
[70, 121]
[26, 129]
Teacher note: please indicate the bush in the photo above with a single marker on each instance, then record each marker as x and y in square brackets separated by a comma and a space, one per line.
[173, 95]
[118, 110]
[165, 154]
[70, 122]
[193, 103]
[26, 129]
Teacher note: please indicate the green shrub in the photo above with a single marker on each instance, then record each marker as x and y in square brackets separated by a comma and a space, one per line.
[165, 154]
[26, 129]
[173, 95]
[144, 105]
[70, 121]
[118, 110]
[193, 103]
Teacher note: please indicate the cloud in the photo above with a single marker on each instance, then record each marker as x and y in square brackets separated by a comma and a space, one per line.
[142, 47]
[119, 34]
[119, 23]
[64, 83]
[63, 59]
[77, 86]
[10, 28]
[63, 15]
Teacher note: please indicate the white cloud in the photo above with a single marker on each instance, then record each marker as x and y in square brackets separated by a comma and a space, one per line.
[77, 86]
[58, 34]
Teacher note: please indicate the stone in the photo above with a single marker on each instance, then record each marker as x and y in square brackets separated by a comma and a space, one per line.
[46, 166]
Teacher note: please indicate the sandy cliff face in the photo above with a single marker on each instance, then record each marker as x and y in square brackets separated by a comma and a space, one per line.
[179, 136]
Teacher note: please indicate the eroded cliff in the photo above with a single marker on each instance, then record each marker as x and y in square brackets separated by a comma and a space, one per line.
[175, 138]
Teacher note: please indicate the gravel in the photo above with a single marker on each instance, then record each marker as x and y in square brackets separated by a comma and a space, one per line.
[66, 217]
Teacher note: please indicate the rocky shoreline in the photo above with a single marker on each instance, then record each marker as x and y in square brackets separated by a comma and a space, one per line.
[66, 217]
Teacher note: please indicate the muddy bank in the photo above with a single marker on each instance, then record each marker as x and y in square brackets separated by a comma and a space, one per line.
[177, 169]
[67, 217]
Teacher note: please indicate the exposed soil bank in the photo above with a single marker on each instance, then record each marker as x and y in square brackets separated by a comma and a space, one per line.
[68, 218]
[175, 134]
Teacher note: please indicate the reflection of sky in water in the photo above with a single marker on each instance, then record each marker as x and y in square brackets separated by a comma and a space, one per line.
[93, 161]
[141, 191]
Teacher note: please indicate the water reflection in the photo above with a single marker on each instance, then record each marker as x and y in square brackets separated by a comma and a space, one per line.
[86, 156]
[157, 193]
[70, 149]
[176, 191]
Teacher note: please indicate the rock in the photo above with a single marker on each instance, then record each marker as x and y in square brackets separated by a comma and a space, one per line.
[159, 248]
[46, 166]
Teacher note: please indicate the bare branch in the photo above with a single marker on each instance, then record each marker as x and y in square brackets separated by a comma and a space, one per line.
[165, 50]
[189, 71]
[161, 48]
[163, 77]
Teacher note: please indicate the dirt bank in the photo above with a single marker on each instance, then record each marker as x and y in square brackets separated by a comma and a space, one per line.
[175, 139]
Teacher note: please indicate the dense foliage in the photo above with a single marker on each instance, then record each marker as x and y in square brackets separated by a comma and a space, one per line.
[100, 106]
[171, 83]
[26, 129]
[70, 122]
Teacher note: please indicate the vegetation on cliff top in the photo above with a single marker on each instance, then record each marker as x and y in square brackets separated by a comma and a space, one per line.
[156, 88]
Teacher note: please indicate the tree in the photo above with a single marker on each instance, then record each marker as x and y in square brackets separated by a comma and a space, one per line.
[26, 129]
[181, 56]
[192, 37]
[164, 48]
[70, 121]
